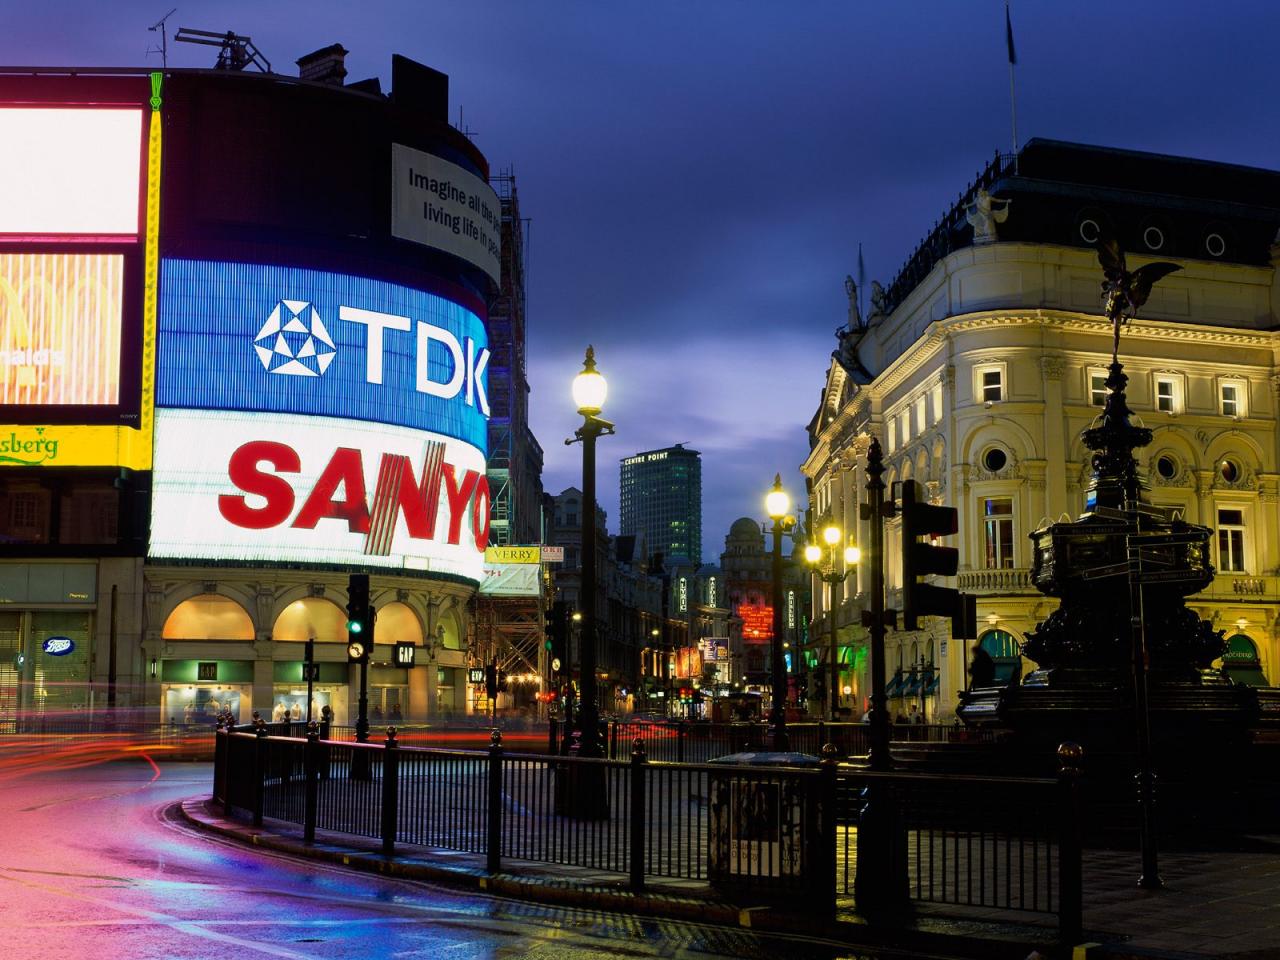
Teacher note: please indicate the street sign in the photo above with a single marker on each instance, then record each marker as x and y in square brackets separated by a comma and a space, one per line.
[555, 664]
[553, 554]
[406, 655]
[311, 671]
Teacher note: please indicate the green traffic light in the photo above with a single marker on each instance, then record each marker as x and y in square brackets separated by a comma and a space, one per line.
[355, 626]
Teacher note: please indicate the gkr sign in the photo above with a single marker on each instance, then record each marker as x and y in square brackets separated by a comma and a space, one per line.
[304, 489]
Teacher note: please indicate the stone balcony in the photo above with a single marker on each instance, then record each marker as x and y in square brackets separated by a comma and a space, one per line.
[1242, 587]
[1014, 580]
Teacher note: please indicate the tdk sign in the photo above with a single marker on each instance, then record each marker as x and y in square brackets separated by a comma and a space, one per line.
[254, 337]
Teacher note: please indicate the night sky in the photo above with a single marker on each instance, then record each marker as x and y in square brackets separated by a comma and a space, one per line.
[699, 175]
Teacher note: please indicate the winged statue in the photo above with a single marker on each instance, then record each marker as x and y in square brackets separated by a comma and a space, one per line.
[1125, 291]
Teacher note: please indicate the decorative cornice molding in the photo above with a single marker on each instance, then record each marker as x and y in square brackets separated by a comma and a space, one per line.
[1098, 324]
[1053, 367]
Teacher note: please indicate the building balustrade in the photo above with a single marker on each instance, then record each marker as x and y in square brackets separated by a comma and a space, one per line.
[1013, 580]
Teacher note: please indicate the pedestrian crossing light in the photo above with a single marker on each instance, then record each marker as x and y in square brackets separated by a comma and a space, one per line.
[359, 619]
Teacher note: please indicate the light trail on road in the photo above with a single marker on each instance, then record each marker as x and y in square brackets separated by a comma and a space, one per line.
[95, 864]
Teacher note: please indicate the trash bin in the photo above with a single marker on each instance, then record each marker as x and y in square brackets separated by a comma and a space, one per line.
[764, 830]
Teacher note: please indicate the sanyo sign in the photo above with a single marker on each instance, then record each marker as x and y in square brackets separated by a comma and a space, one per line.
[289, 340]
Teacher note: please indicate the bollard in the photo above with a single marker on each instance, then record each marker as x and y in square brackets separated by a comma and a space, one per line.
[494, 843]
[613, 739]
[390, 791]
[259, 769]
[638, 826]
[311, 772]
[1070, 854]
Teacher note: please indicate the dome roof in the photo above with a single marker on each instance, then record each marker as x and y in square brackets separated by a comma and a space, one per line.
[744, 527]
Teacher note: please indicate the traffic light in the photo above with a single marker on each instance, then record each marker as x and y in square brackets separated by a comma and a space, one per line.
[360, 616]
[491, 680]
[558, 636]
[921, 559]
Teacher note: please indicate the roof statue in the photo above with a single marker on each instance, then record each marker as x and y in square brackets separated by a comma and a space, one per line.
[983, 216]
[1123, 292]
[851, 291]
[850, 335]
[879, 300]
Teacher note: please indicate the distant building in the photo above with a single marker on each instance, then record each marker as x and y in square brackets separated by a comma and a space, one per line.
[983, 361]
[661, 497]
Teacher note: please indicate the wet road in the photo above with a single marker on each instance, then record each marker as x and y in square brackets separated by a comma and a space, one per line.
[91, 865]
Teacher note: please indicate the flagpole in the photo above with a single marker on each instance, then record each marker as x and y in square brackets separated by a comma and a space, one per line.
[1013, 98]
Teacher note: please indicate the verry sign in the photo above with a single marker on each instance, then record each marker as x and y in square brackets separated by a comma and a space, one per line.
[265, 338]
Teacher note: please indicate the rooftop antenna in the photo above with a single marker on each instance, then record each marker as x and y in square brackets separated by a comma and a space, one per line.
[235, 52]
[164, 40]
[466, 132]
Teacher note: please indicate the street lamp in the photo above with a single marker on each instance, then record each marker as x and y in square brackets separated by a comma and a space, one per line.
[826, 571]
[589, 392]
[776, 504]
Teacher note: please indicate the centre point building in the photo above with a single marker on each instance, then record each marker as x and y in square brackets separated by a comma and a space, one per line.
[982, 362]
[243, 353]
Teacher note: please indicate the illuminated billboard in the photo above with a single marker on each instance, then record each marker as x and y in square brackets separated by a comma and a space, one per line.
[287, 340]
[304, 489]
[70, 171]
[60, 328]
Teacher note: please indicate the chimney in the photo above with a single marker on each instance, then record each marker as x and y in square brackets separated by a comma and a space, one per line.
[324, 65]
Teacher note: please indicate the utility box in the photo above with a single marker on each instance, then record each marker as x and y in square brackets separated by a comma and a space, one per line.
[766, 839]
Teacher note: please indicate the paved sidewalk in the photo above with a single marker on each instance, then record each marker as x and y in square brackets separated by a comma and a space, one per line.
[1224, 906]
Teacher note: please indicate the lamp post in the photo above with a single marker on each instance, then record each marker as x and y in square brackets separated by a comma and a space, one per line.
[589, 392]
[828, 574]
[776, 504]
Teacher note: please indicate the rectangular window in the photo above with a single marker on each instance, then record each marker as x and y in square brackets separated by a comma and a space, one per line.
[1098, 389]
[1231, 541]
[998, 532]
[1164, 396]
[921, 414]
[992, 386]
[937, 402]
[1231, 400]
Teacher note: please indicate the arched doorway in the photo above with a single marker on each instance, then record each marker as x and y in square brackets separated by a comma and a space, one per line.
[1005, 654]
[1241, 662]
[321, 620]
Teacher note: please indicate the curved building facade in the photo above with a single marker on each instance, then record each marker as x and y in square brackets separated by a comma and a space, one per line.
[285, 284]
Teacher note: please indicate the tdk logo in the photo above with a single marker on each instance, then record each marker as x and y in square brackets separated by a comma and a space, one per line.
[294, 341]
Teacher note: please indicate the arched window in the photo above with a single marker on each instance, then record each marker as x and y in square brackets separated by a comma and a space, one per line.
[1241, 663]
[311, 618]
[397, 623]
[208, 617]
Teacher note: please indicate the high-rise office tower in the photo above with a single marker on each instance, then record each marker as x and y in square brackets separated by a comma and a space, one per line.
[661, 498]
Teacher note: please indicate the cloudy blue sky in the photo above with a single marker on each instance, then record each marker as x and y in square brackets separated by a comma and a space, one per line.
[698, 175]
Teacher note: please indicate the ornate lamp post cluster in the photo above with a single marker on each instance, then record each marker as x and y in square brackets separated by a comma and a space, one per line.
[826, 565]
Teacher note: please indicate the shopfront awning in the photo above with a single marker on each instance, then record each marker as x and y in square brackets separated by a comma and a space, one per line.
[1246, 672]
[894, 687]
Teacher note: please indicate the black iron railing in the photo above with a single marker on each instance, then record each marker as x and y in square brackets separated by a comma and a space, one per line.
[966, 842]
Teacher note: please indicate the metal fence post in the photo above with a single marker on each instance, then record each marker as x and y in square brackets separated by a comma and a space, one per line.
[827, 832]
[680, 732]
[613, 739]
[390, 791]
[1070, 854]
[311, 773]
[495, 802]
[639, 826]
[552, 738]
[259, 770]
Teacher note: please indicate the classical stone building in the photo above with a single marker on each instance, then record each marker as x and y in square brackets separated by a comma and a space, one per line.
[983, 361]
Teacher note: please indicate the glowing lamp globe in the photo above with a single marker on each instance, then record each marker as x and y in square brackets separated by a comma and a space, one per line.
[589, 387]
[852, 555]
[831, 535]
[812, 553]
[776, 502]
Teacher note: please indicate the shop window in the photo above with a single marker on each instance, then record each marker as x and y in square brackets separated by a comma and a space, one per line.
[1231, 540]
[997, 515]
[311, 618]
[208, 617]
[1006, 657]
